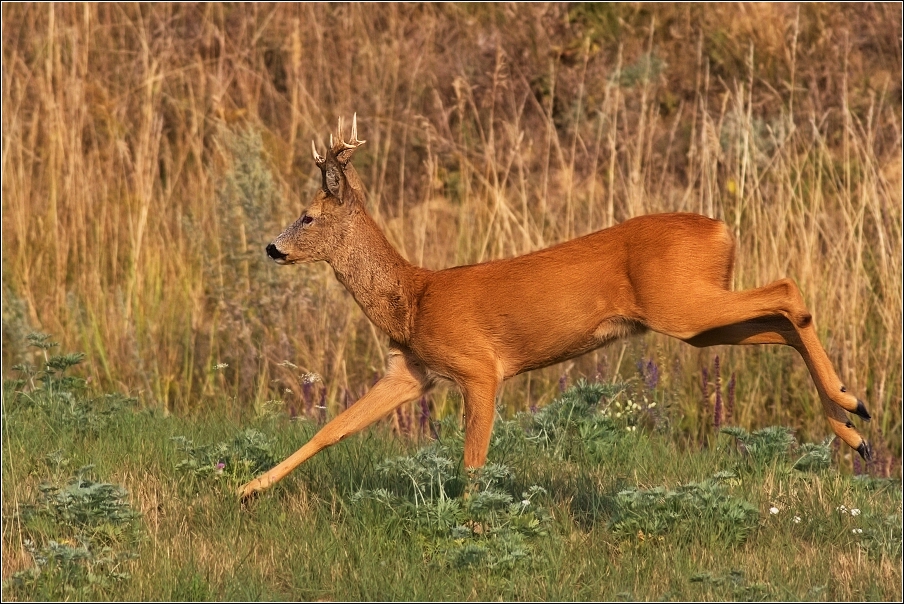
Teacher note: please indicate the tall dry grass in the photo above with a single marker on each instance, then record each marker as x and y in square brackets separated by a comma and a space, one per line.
[151, 151]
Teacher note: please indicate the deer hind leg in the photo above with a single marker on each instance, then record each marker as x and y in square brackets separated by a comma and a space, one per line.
[775, 314]
[404, 382]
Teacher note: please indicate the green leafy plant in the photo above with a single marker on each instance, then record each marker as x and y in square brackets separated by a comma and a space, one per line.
[238, 460]
[48, 384]
[814, 457]
[94, 512]
[777, 442]
[486, 526]
[690, 512]
[80, 536]
[588, 415]
[63, 398]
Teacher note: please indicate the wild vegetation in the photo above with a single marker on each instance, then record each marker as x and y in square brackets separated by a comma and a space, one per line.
[151, 151]
[589, 498]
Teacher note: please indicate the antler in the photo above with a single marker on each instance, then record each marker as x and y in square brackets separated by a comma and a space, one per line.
[340, 150]
[340, 147]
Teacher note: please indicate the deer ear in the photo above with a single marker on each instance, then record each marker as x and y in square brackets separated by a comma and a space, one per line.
[334, 180]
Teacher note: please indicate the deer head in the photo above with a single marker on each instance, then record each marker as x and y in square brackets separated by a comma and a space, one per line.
[323, 226]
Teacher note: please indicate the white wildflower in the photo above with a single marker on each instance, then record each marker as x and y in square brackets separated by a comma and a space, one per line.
[797, 520]
[773, 510]
[857, 531]
[855, 511]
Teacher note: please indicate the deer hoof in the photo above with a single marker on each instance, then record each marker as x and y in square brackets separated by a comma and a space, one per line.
[865, 451]
[861, 410]
[247, 493]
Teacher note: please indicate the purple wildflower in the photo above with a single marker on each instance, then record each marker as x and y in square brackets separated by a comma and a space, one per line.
[651, 374]
[563, 382]
[425, 415]
[402, 419]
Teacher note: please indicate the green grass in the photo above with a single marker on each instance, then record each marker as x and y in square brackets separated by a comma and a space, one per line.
[590, 498]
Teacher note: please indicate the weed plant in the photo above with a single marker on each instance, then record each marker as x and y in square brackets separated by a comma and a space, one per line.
[80, 536]
[152, 151]
[578, 503]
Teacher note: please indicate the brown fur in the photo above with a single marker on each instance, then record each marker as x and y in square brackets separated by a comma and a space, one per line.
[478, 325]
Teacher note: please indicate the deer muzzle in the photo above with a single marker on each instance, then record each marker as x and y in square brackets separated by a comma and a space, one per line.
[275, 254]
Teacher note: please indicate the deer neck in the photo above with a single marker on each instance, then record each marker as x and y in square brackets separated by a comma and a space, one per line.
[383, 283]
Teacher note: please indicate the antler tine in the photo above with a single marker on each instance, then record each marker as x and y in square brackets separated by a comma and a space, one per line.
[355, 140]
[318, 159]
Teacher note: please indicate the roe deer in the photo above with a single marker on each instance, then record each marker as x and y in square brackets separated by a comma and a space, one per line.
[481, 324]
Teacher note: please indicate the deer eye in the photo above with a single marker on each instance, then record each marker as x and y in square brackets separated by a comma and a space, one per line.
[306, 220]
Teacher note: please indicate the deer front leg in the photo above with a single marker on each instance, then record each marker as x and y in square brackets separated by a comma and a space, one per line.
[404, 382]
[480, 409]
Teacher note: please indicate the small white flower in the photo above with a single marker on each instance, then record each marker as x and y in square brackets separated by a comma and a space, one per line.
[651, 405]
[857, 531]
[797, 520]
[773, 510]
[842, 509]
[525, 502]
[220, 366]
[855, 511]
[618, 414]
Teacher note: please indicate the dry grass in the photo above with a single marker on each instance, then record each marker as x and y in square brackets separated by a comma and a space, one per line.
[151, 151]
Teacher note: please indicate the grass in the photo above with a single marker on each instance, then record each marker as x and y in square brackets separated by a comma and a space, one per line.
[151, 152]
[592, 497]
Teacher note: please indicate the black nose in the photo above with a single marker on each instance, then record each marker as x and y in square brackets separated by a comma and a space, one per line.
[275, 253]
